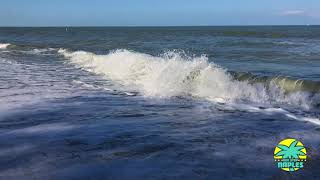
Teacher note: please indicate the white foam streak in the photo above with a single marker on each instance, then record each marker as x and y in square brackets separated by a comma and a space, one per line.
[44, 128]
[272, 111]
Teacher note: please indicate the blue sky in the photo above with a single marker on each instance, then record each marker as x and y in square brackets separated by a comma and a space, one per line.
[157, 12]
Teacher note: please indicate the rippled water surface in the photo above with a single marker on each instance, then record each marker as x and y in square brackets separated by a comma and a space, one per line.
[157, 103]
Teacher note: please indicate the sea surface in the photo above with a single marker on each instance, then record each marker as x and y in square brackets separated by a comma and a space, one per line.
[157, 102]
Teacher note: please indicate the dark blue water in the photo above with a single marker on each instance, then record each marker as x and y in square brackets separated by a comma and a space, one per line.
[157, 102]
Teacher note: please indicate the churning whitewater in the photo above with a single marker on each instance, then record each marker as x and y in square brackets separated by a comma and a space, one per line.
[4, 45]
[175, 74]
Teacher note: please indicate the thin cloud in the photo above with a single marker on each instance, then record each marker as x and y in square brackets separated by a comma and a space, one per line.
[310, 14]
[293, 13]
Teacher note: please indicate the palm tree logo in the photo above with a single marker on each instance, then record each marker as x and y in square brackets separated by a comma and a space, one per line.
[290, 154]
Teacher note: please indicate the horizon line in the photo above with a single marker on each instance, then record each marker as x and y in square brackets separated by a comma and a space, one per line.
[77, 26]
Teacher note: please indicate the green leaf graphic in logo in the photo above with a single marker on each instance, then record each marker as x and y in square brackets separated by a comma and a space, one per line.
[292, 151]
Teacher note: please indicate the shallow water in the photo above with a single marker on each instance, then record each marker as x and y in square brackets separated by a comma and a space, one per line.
[157, 103]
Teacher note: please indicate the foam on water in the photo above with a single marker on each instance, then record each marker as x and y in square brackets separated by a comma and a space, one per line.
[173, 74]
[4, 45]
[27, 85]
[40, 51]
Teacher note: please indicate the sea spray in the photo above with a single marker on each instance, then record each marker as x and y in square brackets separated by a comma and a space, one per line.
[175, 75]
[4, 45]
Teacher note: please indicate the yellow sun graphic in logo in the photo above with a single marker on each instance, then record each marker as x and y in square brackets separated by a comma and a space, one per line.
[290, 155]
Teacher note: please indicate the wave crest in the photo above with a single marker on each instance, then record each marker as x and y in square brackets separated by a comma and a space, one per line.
[4, 45]
[173, 74]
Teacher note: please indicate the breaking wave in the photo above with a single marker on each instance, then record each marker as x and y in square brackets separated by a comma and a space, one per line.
[174, 74]
[27, 49]
[4, 45]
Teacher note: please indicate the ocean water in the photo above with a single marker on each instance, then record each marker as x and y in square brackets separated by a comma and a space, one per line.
[157, 102]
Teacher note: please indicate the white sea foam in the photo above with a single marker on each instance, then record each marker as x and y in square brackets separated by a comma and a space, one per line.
[35, 51]
[289, 43]
[29, 87]
[4, 45]
[173, 74]
[170, 75]
[40, 51]
[272, 111]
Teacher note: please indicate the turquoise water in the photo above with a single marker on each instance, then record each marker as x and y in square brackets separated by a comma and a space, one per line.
[157, 102]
